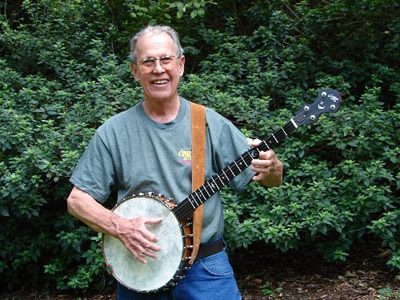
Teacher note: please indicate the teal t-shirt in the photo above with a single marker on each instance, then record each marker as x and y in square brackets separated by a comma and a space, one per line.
[135, 154]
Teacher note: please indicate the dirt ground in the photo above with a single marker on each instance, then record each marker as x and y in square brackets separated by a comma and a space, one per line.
[265, 273]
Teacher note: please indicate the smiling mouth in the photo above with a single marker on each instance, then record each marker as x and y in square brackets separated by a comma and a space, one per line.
[160, 82]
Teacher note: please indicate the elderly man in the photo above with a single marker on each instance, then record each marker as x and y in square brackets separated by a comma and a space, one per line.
[148, 148]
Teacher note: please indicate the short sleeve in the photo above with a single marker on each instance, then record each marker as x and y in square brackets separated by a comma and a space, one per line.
[95, 171]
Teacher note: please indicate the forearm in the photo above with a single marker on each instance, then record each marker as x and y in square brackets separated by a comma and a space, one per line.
[85, 208]
[133, 233]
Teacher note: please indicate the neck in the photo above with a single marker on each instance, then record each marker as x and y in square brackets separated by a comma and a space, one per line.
[162, 111]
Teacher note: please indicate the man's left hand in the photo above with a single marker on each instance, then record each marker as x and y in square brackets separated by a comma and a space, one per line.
[268, 167]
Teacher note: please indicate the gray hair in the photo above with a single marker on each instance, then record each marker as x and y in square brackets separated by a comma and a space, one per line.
[156, 29]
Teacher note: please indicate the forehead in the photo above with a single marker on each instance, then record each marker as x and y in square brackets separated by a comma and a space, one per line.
[155, 45]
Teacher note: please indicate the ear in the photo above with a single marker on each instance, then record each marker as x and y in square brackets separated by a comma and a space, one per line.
[181, 65]
[135, 71]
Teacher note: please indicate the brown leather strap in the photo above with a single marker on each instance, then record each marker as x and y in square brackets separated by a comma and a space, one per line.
[198, 115]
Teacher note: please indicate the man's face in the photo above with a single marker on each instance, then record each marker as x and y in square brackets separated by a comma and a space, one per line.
[159, 83]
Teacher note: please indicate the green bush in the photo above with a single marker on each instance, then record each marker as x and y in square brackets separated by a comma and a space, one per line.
[65, 70]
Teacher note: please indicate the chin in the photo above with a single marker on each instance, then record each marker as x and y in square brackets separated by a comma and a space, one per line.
[161, 97]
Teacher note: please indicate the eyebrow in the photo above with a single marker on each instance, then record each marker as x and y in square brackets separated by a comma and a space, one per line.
[165, 55]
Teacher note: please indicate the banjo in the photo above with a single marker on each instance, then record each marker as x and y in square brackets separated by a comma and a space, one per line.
[174, 232]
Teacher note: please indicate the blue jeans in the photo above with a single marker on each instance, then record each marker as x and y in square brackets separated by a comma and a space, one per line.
[209, 278]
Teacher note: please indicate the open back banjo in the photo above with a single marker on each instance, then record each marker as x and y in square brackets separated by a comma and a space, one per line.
[174, 232]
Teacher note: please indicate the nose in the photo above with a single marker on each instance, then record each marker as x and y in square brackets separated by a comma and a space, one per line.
[158, 68]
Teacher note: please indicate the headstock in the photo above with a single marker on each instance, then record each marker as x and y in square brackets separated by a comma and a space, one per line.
[328, 101]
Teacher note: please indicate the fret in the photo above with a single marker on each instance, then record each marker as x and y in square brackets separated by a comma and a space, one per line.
[222, 178]
[231, 171]
[275, 138]
[284, 131]
[242, 160]
[266, 144]
[222, 183]
[194, 198]
[205, 189]
[197, 194]
[194, 207]
[237, 166]
[202, 195]
[290, 127]
[210, 186]
[215, 182]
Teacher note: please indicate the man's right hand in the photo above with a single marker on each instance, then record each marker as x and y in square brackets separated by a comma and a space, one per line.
[137, 238]
[132, 233]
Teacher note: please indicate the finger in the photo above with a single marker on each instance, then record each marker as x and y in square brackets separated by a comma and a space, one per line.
[258, 177]
[253, 142]
[146, 231]
[145, 252]
[260, 173]
[142, 253]
[143, 240]
[139, 238]
[261, 163]
[267, 155]
[140, 257]
[152, 220]
[261, 170]
[149, 253]
[148, 245]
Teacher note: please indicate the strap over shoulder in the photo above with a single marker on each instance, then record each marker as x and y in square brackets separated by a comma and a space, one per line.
[198, 129]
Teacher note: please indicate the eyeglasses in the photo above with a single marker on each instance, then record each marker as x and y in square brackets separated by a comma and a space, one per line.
[147, 65]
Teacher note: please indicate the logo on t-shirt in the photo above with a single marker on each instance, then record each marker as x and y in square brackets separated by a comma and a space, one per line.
[186, 157]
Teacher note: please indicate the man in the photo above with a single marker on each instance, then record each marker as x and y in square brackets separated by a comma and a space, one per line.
[148, 148]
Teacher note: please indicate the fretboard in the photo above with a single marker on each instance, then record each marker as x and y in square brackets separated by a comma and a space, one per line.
[187, 206]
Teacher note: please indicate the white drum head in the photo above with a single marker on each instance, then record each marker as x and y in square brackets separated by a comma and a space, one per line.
[159, 271]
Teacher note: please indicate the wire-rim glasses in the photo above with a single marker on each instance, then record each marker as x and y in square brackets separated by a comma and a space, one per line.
[167, 63]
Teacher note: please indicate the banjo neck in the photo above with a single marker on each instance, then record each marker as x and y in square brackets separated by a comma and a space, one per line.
[328, 101]
[185, 208]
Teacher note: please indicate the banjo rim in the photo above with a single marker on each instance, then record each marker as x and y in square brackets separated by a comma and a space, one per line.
[186, 251]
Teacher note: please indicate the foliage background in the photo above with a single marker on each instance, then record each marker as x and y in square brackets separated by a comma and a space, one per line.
[64, 69]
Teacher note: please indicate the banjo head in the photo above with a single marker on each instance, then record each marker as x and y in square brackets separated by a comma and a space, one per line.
[159, 272]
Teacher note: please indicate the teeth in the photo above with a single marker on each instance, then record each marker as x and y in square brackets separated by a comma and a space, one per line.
[160, 81]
